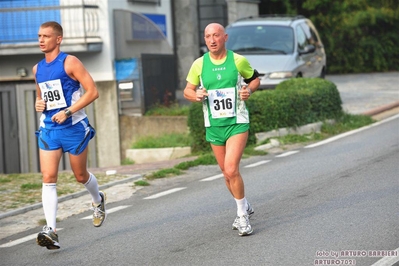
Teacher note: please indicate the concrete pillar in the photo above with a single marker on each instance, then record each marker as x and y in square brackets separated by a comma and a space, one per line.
[237, 9]
[186, 31]
[107, 125]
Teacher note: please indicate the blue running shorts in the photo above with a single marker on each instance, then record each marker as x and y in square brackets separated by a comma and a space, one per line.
[73, 139]
[219, 135]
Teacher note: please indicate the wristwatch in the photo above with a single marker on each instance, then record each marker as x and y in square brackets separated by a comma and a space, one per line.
[249, 91]
[68, 112]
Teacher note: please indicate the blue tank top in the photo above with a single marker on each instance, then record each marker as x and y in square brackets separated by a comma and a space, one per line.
[59, 91]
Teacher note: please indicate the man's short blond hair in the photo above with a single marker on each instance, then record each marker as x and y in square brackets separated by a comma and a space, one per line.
[55, 26]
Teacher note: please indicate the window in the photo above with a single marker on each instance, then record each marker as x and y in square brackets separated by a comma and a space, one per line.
[310, 33]
[301, 38]
[260, 38]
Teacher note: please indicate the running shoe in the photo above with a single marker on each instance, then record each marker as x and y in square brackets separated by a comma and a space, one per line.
[244, 228]
[48, 238]
[99, 213]
[236, 223]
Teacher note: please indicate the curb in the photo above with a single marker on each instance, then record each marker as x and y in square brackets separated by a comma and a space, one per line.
[67, 197]
[381, 109]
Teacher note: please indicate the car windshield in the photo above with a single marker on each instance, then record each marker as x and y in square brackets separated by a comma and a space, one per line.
[260, 39]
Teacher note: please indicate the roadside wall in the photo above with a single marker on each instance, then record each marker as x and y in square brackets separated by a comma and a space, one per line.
[134, 127]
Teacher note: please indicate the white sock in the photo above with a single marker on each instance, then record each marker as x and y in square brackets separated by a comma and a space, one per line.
[241, 206]
[50, 203]
[92, 186]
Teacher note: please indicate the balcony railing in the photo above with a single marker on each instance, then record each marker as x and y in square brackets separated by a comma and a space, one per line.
[19, 25]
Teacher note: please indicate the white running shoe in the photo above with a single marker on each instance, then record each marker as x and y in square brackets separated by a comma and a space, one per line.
[244, 228]
[48, 238]
[99, 213]
[236, 222]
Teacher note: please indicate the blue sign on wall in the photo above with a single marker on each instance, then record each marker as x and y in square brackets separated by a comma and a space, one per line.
[145, 29]
[126, 69]
[159, 20]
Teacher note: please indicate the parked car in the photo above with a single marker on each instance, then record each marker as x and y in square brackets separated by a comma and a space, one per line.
[279, 47]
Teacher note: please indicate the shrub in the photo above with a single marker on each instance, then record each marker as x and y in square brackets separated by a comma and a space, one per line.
[195, 121]
[322, 95]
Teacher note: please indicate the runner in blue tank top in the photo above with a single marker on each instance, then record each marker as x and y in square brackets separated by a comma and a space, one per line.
[64, 126]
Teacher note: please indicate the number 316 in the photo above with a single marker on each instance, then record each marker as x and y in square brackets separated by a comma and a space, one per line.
[223, 104]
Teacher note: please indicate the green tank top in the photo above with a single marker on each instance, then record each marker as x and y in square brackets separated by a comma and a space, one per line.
[223, 105]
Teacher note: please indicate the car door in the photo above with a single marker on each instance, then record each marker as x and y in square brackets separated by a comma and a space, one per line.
[306, 61]
[314, 39]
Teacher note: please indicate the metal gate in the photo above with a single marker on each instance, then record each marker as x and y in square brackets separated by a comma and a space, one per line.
[210, 11]
[159, 79]
[9, 145]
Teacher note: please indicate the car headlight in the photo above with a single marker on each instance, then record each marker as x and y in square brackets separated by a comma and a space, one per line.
[280, 75]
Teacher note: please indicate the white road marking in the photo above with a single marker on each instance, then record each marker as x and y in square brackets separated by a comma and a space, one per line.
[257, 164]
[212, 177]
[109, 211]
[287, 154]
[22, 240]
[340, 136]
[167, 192]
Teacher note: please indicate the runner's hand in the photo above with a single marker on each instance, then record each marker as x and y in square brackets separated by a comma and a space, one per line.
[59, 117]
[244, 93]
[201, 94]
[40, 105]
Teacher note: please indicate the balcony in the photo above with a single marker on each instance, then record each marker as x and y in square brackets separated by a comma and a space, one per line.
[20, 24]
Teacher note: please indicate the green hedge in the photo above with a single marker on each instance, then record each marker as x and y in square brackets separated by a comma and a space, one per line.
[293, 103]
[195, 121]
[322, 96]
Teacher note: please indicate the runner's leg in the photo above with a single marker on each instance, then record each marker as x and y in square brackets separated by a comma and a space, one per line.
[79, 168]
[49, 161]
[228, 158]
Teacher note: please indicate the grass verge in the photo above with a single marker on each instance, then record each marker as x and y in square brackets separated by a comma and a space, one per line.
[164, 141]
[18, 190]
[174, 109]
